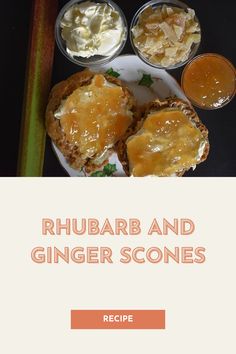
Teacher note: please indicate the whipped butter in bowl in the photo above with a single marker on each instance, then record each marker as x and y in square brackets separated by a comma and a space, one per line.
[91, 32]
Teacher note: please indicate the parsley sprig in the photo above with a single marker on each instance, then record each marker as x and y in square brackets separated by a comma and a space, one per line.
[113, 73]
[146, 80]
[107, 171]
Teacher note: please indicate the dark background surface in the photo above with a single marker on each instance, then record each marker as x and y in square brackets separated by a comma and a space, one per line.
[217, 20]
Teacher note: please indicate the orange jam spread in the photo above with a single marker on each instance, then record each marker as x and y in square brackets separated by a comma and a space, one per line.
[209, 81]
[95, 116]
[167, 143]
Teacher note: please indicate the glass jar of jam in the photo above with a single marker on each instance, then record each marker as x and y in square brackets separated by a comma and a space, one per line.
[209, 81]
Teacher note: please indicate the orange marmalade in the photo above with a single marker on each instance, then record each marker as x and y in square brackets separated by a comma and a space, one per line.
[209, 81]
[167, 143]
[95, 117]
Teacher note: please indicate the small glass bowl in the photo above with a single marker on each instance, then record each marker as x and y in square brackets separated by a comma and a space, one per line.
[154, 4]
[196, 61]
[95, 59]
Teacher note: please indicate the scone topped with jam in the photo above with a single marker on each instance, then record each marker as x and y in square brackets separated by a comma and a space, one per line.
[87, 115]
[168, 141]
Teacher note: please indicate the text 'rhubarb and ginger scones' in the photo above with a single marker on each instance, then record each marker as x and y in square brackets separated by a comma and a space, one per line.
[168, 141]
[87, 115]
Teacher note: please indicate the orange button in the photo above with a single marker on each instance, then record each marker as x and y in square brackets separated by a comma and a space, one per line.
[118, 319]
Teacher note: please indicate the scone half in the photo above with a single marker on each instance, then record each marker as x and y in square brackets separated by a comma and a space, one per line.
[87, 115]
[168, 141]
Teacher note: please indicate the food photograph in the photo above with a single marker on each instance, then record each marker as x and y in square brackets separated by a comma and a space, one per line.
[120, 88]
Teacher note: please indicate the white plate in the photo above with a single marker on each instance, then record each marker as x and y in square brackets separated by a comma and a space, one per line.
[131, 70]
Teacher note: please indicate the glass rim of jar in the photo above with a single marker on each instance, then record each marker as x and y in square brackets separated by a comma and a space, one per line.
[230, 64]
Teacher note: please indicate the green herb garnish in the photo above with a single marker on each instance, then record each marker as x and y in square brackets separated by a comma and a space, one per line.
[113, 73]
[108, 171]
[98, 174]
[146, 80]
